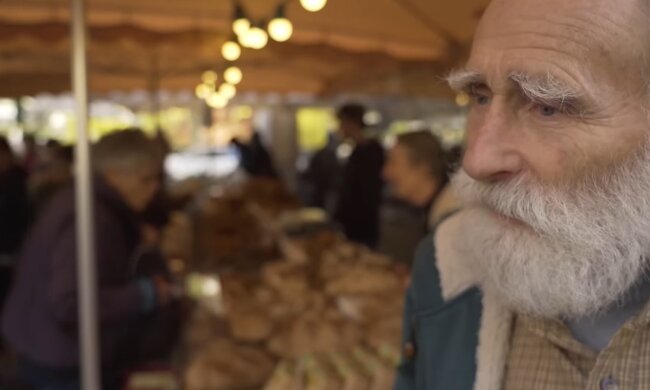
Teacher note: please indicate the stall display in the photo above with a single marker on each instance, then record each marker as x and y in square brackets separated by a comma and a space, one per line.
[235, 228]
[301, 310]
[357, 368]
[225, 364]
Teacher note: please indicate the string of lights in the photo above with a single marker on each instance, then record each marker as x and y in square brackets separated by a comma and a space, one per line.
[247, 34]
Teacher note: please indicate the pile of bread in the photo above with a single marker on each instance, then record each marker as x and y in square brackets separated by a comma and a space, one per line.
[230, 236]
[326, 306]
[357, 368]
[232, 233]
[270, 194]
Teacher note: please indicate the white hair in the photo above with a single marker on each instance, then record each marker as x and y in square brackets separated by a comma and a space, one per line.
[462, 79]
[580, 248]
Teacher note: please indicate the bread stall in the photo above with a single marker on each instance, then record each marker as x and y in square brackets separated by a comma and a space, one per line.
[276, 310]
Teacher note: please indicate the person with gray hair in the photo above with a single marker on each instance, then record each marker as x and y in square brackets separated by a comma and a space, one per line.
[40, 319]
[541, 281]
[417, 171]
[129, 162]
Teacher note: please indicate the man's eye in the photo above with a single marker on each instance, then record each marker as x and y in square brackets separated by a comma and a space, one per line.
[547, 110]
[480, 99]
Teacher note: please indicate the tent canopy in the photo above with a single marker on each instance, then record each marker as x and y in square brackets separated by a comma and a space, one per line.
[396, 47]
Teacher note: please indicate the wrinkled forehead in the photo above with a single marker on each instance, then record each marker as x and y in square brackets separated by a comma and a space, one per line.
[584, 39]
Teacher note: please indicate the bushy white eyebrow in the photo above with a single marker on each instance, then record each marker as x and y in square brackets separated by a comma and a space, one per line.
[462, 79]
[544, 88]
[540, 88]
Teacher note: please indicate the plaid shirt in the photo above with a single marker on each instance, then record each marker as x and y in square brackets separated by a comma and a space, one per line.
[544, 356]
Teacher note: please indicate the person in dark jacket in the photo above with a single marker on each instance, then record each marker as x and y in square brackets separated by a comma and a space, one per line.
[30, 153]
[14, 213]
[13, 200]
[255, 158]
[361, 186]
[157, 212]
[40, 319]
[53, 173]
[322, 176]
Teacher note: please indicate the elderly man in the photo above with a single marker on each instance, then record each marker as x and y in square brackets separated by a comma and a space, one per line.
[556, 233]
[40, 320]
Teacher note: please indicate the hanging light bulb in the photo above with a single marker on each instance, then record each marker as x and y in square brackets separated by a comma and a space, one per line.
[244, 40]
[209, 77]
[463, 99]
[255, 38]
[231, 51]
[280, 28]
[203, 91]
[240, 24]
[233, 75]
[313, 5]
[228, 90]
[261, 38]
[216, 100]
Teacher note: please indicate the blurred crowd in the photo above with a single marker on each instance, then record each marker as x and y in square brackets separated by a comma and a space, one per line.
[354, 187]
[138, 317]
[138, 314]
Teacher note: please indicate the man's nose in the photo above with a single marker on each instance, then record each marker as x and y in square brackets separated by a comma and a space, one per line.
[491, 153]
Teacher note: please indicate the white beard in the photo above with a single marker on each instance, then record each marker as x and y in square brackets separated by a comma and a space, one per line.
[582, 246]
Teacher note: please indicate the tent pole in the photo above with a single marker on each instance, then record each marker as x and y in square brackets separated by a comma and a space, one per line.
[154, 91]
[86, 272]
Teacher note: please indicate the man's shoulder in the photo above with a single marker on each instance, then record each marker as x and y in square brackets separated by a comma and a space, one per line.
[425, 253]
[439, 274]
[425, 277]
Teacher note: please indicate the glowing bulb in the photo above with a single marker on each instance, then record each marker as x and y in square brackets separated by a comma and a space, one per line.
[255, 38]
[463, 99]
[280, 29]
[233, 75]
[203, 91]
[344, 151]
[228, 91]
[241, 26]
[211, 287]
[216, 100]
[209, 77]
[58, 120]
[313, 5]
[231, 51]
[372, 118]
[243, 40]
